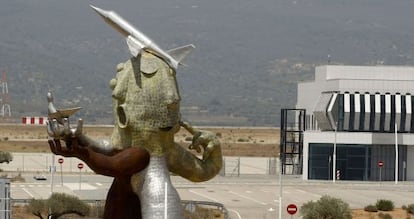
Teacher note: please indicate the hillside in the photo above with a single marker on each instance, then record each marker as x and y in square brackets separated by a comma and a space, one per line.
[249, 54]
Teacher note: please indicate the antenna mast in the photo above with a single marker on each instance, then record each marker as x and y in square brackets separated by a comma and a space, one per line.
[5, 98]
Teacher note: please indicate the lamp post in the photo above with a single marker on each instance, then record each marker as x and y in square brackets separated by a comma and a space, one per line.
[334, 155]
[396, 155]
[280, 187]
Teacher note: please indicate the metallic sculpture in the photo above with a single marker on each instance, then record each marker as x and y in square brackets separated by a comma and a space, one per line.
[58, 114]
[138, 42]
[146, 105]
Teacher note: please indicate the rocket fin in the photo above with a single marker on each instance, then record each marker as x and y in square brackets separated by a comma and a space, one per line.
[179, 53]
[134, 46]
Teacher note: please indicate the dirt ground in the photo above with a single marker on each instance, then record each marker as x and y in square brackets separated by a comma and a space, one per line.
[397, 213]
[235, 141]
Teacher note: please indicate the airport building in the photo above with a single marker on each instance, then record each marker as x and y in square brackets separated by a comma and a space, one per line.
[362, 118]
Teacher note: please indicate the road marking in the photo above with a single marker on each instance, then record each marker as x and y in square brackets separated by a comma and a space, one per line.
[99, 184]
[246, 197]
[202, 195]
[309, 193]
[75, 186]
[30, 194]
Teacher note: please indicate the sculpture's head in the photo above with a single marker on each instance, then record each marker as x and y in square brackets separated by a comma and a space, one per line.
[146, 98]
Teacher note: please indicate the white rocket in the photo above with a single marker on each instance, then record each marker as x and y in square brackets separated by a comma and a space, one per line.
[137, 41]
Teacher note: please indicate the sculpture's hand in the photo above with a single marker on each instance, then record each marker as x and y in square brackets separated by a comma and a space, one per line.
[206, 140]
[74, 151]
[65, 131]
[195, 144]
[185, 164]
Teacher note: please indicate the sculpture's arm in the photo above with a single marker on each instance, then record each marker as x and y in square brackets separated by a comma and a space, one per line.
[187, 165]
[120, 163]
[68, 134]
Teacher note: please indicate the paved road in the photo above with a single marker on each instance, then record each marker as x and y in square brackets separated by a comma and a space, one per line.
[247, 196]
[251, 195]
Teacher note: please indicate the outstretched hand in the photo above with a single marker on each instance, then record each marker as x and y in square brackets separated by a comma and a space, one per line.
[63, 131]
[73, 150]
[122, 163]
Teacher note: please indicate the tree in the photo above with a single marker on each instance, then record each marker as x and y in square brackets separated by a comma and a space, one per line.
[326, 208]
[37, 207]
[59, 204]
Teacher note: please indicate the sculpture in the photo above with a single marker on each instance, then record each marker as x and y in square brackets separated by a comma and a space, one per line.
[146, 105]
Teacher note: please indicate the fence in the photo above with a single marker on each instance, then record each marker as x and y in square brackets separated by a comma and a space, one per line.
[42, 162]
[236, 166]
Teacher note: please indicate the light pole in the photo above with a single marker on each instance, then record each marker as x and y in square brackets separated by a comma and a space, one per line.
[396, 155]
[280, 187]
[334, 155]
[52, 172]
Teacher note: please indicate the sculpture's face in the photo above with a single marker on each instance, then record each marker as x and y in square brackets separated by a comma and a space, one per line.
[146, 96]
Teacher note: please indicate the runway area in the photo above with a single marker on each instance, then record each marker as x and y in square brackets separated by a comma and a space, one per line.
[249, 195]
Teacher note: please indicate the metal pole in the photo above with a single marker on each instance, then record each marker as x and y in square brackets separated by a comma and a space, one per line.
[52, 173]
[51, 181]
[61, 175]
[334, 157]
[329, 166]
[280, 188]
[404, 167]
[80, 178]
[165, 200]
[380, 174]
[23, 162]
[396, 155]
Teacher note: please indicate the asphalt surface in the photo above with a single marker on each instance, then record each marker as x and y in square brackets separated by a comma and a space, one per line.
[248, 195]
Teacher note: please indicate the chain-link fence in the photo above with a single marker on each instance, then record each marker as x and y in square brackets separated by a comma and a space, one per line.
[44, 162]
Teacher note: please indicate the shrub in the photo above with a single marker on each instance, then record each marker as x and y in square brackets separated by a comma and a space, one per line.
[242, 140]
[5, 157]
[384, 216]
[371, 208]
[410, 209]
[57, 205]
[326, 207]
[385, 205]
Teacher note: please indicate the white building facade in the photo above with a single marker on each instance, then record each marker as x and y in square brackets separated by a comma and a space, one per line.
[365, 115]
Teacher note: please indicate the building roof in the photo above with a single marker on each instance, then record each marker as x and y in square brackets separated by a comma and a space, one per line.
[383, 73]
